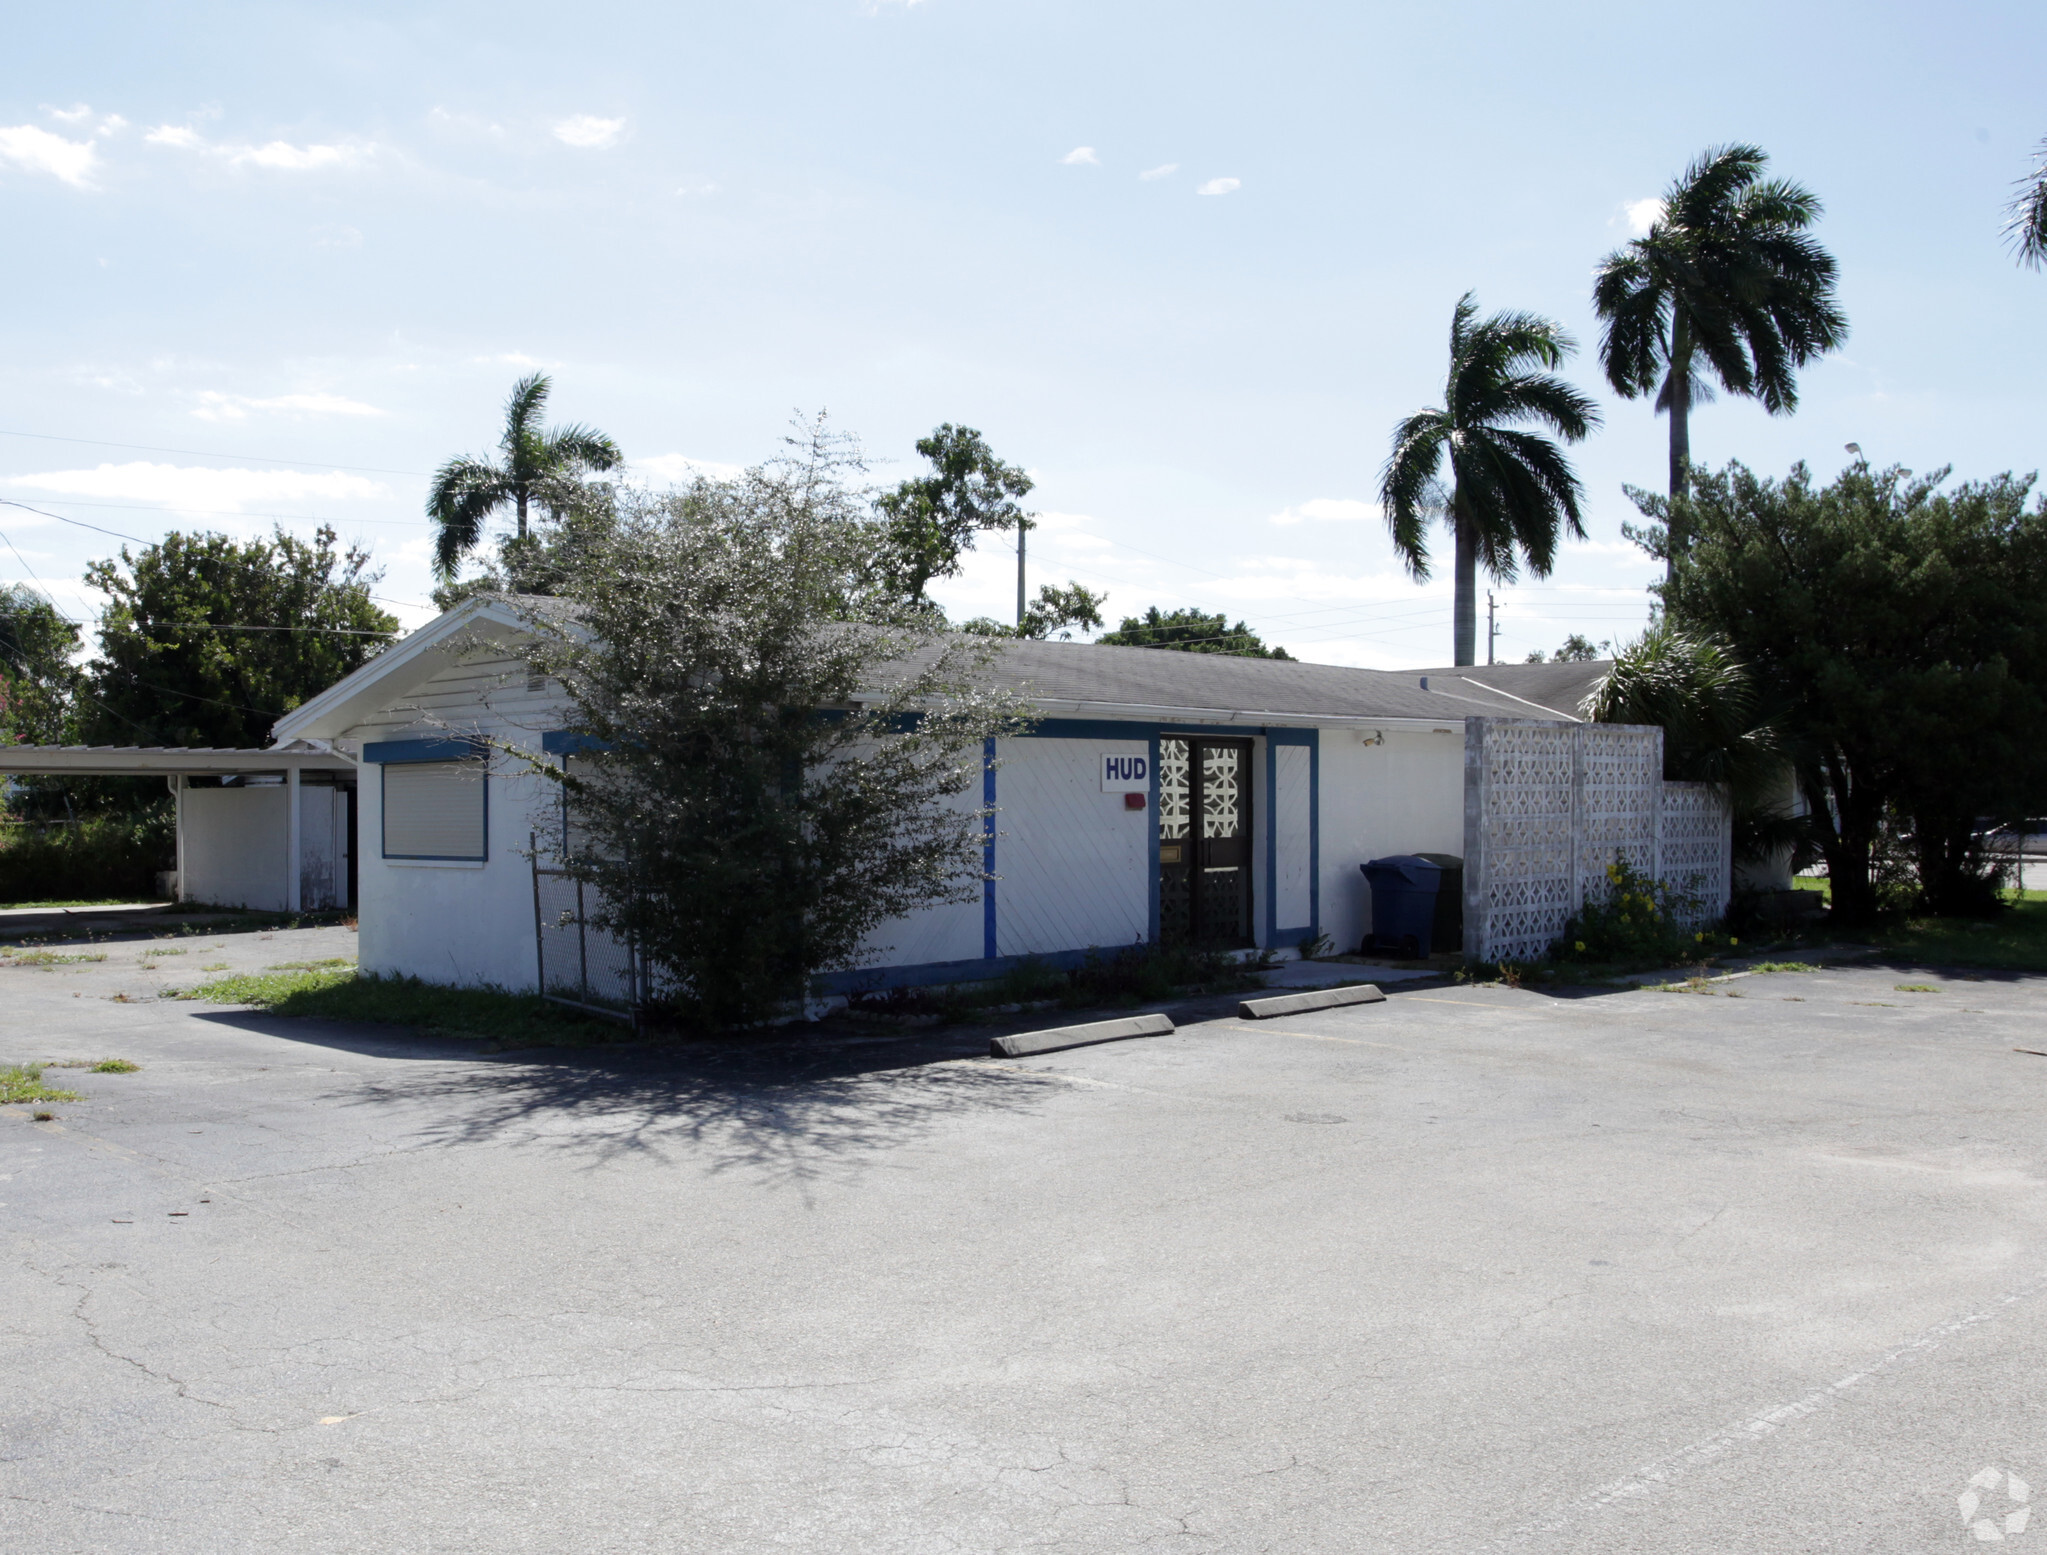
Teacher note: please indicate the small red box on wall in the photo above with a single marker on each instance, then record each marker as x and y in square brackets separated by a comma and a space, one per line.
[1133, 801]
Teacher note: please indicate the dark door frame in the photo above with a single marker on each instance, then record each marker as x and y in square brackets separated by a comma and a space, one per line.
[1198, 854]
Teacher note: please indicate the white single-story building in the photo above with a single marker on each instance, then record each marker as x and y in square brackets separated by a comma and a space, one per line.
[1163, 793]
[270, 829]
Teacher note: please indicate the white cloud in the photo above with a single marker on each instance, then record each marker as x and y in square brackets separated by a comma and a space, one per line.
[1080, 156]
[77, 115]
[1164, 170]
[1328, 510]
[278, 155]
[292, 159]
[680, 469]
[215, 406]
[509, 359]
[1642, 215]
[191, 489]
[337, 235]
[587, 132]
[36, 150]
[1221, 186]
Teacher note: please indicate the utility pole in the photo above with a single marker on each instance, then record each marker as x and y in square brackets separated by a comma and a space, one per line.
[1492, 626]
[1022, 525]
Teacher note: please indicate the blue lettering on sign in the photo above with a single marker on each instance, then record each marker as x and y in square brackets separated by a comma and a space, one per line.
[1126, 774]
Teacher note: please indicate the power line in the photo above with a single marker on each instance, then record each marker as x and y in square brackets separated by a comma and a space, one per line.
[200, 453]
[150, 507]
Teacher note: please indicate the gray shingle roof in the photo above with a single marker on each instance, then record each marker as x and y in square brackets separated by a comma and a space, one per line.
[1152, 677]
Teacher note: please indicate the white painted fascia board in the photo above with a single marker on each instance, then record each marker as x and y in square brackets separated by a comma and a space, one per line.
[1148, 713]
[412, 661]
[116, 761]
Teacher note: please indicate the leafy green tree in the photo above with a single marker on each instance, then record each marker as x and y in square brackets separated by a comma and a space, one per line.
[1062, 610]
[1898, 635]
[1511, 490]
[2027, 227]
[540, 465]
[1727, 284]
[1191, 631]
[782, 773]
[930, 521]
[207, 640]
[38, 680]
[1577, 649]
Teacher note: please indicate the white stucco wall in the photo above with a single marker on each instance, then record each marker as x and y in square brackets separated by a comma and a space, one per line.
[1405, 796]
[234, 847]
[451, 922]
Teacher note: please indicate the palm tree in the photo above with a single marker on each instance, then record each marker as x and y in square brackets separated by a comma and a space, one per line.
[1726, 281]
[2027, 228]
[1509, 489]
[541, 464]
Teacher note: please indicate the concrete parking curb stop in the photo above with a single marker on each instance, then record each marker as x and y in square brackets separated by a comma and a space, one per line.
[1314, 999]
[1025, 1043]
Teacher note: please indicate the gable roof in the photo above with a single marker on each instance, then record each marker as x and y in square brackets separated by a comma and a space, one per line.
[1075, 679]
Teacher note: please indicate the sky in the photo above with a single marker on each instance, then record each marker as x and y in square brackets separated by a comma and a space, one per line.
[1186, 264]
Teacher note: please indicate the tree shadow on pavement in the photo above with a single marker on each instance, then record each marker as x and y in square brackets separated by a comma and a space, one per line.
[795, 1112]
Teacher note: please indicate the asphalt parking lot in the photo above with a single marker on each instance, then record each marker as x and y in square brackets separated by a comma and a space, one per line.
[1762, 1268]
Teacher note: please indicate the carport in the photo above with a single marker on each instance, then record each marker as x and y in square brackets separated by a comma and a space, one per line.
[270, 829]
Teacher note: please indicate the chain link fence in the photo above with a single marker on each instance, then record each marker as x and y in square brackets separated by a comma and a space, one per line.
[580, 964]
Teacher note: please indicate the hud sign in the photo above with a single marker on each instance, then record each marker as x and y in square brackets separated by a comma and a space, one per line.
[1126, 774]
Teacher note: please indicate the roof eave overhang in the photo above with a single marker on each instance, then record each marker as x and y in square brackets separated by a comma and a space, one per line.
[410, 662]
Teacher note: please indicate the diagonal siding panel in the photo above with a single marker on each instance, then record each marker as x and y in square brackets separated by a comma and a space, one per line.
[1073, 862]
[1291, 863]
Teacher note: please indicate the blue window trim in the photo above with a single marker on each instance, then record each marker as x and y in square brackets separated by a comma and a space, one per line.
[384, 808]
[455, 748]
[1276, 935]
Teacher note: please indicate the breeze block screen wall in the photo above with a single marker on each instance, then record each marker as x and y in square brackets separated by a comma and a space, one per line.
[1548, 805]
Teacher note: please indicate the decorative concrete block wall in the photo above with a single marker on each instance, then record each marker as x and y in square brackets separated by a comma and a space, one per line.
[1549, 805]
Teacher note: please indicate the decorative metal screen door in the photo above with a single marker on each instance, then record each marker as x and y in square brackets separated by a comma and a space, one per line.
[1205, 841]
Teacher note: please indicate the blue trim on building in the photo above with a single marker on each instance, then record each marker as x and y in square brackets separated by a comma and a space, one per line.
[1312, 740]
[560, 742]
[384, 752]
[988, 850]
[1152, 846]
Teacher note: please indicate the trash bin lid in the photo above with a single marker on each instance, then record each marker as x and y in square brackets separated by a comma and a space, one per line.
[1442, 860]
[1409, 867]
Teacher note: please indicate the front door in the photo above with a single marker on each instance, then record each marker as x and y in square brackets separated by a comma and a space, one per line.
[1205, 841]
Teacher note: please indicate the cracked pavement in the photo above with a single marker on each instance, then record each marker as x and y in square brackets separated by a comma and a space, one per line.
[1473, 1269]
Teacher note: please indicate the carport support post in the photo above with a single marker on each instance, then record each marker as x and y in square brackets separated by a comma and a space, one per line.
[293, 830]
[177, 782]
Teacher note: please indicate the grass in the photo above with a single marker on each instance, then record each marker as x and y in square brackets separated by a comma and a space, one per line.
[24, 1082]
[216, 966]
[91, 901]
[163, 950]
[50, 958]
[1915, 988]
[1784, 966]
[337, 992]
[311, 966]
[2015, 939]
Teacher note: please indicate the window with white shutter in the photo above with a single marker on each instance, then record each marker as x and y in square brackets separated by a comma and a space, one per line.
[435, 809]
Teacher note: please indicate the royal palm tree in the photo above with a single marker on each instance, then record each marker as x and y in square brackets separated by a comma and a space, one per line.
[1511, 490]
[540, 464]
[1727, 281]
[2027, 228]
